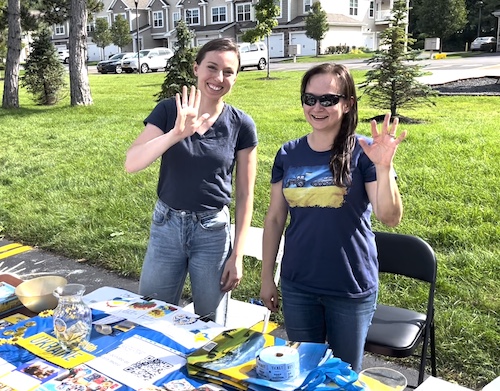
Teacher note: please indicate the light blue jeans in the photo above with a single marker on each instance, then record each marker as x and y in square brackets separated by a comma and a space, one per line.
[182, 242]
[342, 322]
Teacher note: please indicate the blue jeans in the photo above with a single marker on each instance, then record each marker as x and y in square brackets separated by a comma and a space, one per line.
[342, 322]
[182, 242]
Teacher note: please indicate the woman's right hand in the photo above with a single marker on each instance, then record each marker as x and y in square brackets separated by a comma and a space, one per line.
[269, 295]
[188, 120]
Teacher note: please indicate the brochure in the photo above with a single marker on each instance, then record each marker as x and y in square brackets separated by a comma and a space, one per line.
[138, 362]
[30, 375]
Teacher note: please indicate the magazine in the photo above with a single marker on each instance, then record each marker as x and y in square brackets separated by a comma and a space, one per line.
[82, 378]
[230, 359]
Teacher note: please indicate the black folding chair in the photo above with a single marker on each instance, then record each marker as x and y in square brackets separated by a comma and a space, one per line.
[396, 331]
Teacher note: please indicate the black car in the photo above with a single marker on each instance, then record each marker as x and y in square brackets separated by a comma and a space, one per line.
[113, 64]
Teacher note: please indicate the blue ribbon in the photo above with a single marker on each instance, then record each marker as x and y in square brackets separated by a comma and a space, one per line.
[333, 371]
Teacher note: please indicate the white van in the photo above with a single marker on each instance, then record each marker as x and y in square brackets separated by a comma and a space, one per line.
[253, 55]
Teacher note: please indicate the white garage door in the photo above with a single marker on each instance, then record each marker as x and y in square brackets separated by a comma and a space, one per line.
[276, 46]
[202, 41]
[96, 53]
[307, 45]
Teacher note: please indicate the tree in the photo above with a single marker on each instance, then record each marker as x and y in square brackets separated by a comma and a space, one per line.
[266, 12]
[180, 65]
[78, 74]
[392, 83]
[120, 33]
[317, 25]
[102, 34]
[10, 98]
[441, 18]
[44, 73]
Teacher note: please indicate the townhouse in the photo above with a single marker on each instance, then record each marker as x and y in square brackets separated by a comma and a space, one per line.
[353, 23]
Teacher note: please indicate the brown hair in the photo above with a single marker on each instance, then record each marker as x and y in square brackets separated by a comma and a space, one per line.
[343, 145]
[218, 45]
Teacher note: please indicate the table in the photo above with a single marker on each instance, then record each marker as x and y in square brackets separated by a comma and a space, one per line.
[154, 346]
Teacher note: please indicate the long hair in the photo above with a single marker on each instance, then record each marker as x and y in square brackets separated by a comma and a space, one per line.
[218, 45]
[343, 145]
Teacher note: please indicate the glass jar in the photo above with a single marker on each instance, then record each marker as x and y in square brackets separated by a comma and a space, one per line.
[72, 317]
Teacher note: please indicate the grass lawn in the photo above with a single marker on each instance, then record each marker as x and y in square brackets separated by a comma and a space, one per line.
[63, 188]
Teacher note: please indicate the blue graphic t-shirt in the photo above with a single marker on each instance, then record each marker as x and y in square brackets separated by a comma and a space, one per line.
[329, 245]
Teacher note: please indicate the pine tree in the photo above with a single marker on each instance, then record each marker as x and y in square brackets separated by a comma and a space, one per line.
[44, 73]
[180, 66]
[392, 83]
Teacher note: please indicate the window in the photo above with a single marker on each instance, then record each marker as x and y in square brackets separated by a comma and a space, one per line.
[59, 29]
[371, 10]
[91, 27]
[244, 12]
[193, 16]
[353, 7]
[158, 19]
[218, 14]
[278, 3]
[124, 16]
[307, 6]
[176, 16]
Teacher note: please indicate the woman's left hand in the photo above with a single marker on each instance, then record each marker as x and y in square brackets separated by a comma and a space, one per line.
[232, 274]
[382, 150]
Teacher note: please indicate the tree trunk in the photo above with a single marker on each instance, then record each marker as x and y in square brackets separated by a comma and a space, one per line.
[11, 84]
[78, 73]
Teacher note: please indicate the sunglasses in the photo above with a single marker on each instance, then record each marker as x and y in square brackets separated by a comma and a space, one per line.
[326, 100]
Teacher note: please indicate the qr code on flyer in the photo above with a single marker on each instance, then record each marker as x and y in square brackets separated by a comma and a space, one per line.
[148, 367]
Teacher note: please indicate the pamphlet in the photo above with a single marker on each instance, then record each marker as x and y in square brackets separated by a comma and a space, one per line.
[138, 362]
[30, 375]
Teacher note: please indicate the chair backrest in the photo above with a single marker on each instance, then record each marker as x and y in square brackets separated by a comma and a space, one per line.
[253, 247]
[406, 255]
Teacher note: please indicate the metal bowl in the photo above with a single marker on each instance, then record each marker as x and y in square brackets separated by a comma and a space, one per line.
[37, 294]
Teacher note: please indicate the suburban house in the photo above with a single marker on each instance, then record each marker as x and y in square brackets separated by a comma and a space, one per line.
[353, 23]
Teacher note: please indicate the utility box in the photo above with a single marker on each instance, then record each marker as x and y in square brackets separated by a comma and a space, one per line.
[432, 44]
[294, 50]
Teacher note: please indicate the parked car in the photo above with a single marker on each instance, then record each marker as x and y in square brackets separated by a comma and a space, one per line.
[484, 44]
[63, 55]
[114, 63]
[253, 55]
[153, 59]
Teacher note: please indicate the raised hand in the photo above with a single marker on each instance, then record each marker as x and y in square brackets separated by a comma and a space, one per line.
[382, 150]
[188, 119]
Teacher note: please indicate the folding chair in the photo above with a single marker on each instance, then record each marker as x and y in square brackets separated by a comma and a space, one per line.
[246, 314]
[396, 331]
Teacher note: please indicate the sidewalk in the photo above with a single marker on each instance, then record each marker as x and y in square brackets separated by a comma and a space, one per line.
[27, 263]
[437, 76]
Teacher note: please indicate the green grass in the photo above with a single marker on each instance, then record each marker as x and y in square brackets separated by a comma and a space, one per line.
[63, 188]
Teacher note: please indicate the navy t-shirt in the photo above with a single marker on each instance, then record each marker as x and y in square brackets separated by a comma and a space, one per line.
[329, 245]
[196, 173]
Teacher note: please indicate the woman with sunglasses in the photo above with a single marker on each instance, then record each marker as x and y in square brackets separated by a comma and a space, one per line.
[200, 140]
[330, 181]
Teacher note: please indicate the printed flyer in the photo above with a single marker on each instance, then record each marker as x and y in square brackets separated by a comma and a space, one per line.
[138, 362]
